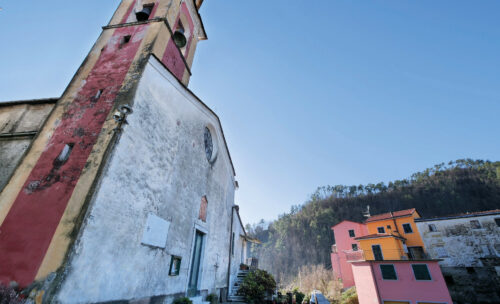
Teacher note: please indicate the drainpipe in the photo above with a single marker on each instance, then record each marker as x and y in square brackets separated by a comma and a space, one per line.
[394, 221]
[230, 246]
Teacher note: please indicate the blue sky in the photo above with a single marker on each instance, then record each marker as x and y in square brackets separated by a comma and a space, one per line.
[309, 93]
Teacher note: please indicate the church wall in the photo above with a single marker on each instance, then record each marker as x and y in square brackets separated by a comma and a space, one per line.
[158, 167]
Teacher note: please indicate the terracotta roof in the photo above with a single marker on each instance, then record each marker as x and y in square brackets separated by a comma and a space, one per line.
[461, 215]
[377, 235]
[390, 215]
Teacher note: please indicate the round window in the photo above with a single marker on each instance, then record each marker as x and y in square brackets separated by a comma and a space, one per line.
[209, 146]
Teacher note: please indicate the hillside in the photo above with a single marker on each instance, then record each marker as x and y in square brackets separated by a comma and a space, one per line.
[303, 235]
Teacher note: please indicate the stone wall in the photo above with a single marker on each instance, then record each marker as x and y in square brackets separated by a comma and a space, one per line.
[470, 253]
[19, 123]
[458, 242]
[472, 284]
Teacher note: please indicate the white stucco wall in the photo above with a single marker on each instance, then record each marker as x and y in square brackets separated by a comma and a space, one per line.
[458, 243]
[239, 249]
[158, 166]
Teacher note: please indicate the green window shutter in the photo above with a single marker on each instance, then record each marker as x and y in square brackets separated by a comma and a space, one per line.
[388, 272]
[421, 272]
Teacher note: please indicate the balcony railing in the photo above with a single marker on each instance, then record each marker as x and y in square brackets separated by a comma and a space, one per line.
[360, 255]
[354, 255]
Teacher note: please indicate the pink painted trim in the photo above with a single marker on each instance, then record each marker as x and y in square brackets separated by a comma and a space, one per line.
[153, 12]
[128, 12]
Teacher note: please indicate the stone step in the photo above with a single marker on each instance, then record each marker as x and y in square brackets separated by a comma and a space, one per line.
[236, 299]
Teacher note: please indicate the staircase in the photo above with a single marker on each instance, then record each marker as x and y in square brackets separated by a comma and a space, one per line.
[235, 295]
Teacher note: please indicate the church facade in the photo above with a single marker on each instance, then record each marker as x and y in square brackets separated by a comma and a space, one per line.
[123, 188]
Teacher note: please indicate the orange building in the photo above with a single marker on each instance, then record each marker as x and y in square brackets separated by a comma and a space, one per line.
[392, 236]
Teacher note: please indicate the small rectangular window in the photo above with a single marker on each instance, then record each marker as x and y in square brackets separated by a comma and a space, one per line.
[497, 220]
[354, 247]
[380, 230]
[432, 228]
[388, 272]
[475, 224]
[421, 272]
[351, 233]
[175, 266]
[389, 227]
[125, 40]
[407, 228]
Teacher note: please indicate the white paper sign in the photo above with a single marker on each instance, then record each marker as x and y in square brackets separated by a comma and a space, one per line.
[156, 231]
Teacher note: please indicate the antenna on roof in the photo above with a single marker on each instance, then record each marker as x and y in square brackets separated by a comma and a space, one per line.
[367, 212]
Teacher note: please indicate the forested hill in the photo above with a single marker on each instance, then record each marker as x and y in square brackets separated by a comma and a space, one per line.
[303, 236]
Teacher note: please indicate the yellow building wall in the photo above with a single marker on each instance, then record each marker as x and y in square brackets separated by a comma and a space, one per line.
[392, 248]
[412, 239]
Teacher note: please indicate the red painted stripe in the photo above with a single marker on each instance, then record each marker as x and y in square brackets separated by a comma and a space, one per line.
[128, 12]
[27, 231]
[153, 12]
[173, 61]
[185, 10]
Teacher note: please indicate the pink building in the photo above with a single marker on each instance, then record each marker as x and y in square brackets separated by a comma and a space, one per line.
[399, 281]
[344, 233]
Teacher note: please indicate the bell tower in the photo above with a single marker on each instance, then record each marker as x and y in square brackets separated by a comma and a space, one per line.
[45, 200]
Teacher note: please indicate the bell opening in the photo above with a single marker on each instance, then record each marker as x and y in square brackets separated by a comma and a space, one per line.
[145, 13]
[179, 37]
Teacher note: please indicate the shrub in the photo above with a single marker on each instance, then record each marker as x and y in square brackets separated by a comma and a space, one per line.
[212, 298]
[182, 300]
[349, 297]
[9, 296]
[306, 299]
[257, 285]
[299, 296]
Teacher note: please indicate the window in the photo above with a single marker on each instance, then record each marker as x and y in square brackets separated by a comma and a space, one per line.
[354, 247]
[377, 253]
[432, 228]
[421, 272]
[388, 272]
[380, 230]
[351, 233]
[407, 228]
[475, 224]
[497, 220]
[175, 266]
[389, 227]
